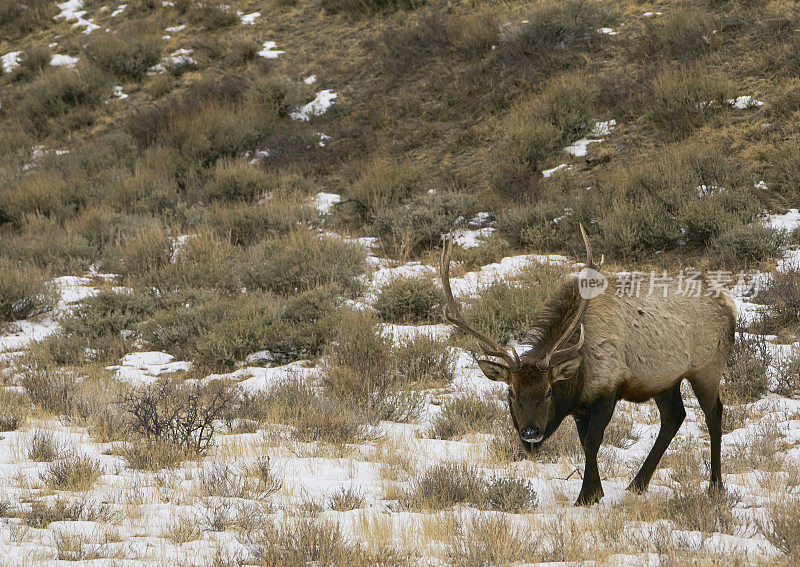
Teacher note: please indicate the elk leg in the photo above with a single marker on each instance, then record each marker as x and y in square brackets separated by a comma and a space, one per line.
[582, 425]
[670, 406]
[712, 408]
[599, 415]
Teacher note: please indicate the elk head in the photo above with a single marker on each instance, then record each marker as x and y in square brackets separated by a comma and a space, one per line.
[530, 379]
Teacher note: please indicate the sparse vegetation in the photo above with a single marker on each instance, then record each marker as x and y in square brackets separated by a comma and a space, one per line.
[167, 143]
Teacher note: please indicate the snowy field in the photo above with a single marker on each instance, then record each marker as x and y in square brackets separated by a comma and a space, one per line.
[180, 517]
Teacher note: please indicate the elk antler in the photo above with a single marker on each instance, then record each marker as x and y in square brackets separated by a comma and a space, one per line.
[452, 313]
[555, 351]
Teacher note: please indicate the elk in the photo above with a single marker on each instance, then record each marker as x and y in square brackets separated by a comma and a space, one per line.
[587, 354]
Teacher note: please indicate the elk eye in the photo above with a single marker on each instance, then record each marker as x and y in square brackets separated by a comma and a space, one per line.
[549, 393]
[510, 393]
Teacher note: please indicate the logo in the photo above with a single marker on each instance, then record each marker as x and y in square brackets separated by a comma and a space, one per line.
[591, 283]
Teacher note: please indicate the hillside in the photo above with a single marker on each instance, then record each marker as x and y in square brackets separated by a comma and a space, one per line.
[221, 338]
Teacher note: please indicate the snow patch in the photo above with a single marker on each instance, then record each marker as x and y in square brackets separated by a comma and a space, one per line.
[176, 29]
[579, 147]
[118, 93]
[145, 367]
[321, 103]
[548, 172]
[607, 31]
[11, 61]
[71, 11]
[249, 19]
[310, 80]
[64, 61]
[324, 202]
[119, 10]
[471, 238]
[269, 51]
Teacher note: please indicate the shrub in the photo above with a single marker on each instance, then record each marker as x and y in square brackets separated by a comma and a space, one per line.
[23, 292]
[77, 472]
[369, 7]
[507, 308]
[407, 230]
[333, 421]
[553, 34]
[781, 297]
[43, 447]
[126, 55]
[682, 34]
[182, 416]
[146, 252]
[442, 486]
[301, 261]
[381, 184]
[17, 18]
[494, 540]
[701, 512]
[747, 376]
[234, 180]
[51, 390]
[534, 226]
[213, 16]
[346, 499]
[684, 97]
[465, 414]
[782, 529]
[35, 59]
[58, 91]
[150, 453]
[423, 361]
[276, 97]
[787, 374]
[743, 246]
[200, 261]
[107, 314]
[410, 300]
[510, 495]
[245, 224]
[358, 363]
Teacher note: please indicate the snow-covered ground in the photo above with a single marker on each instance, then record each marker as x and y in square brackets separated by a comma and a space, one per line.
[133, 516]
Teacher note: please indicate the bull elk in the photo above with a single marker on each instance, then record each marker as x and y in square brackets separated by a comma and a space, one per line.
[590, 353]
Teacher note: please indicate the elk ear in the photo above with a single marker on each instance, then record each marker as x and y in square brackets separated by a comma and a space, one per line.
[494, 370]
[565, 370]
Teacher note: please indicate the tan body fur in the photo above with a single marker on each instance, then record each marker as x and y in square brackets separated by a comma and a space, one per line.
[642, 346]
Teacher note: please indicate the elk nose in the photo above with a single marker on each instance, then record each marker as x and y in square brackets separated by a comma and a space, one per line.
[531, 434]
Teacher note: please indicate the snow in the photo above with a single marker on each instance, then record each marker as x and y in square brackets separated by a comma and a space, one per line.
[579, 147]
[744, 102]
[321, 103]
[176, 29]
[607, 31]
[324, 202]
[651, 14]
[548, 172]
[63, 61]
[471, 238]
[145, 367]
[118, 93]
[178, 57]
[269, 51]
[71, 11]
[11, 61]
[249, 19]
[310, 80]
[119, 10]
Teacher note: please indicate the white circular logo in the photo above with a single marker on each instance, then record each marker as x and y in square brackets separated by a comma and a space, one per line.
[591, 283]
